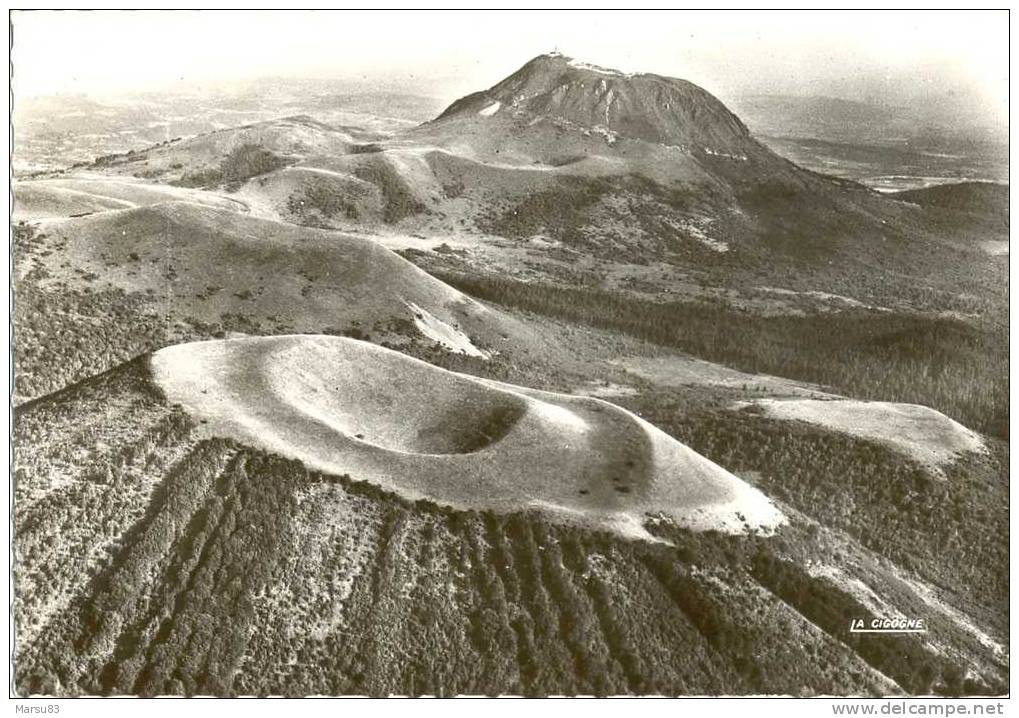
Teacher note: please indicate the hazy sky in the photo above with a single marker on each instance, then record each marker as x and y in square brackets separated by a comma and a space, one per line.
[857, 55]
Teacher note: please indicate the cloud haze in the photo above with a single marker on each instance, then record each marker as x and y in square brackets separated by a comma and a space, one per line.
[898, 57]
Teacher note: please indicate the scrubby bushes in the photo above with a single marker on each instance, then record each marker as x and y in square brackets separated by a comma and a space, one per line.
[884, 500]
[242, 163]
[365, 149]
[400, 201]
[200, 178]
[325, 200]
[249, 160]
[444, 602]
[51, 349]
[561, 212]
[944, 363]
[903, 658]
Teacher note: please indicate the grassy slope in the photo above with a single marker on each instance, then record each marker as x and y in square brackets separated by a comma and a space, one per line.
[233, 571]
[152, 276]
[629, 201]
[957, 368]
[982, 198]
[145, 610]
[341, 405]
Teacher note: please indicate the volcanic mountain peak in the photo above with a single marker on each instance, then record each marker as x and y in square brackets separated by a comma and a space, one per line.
[558, 57]
[647, 107]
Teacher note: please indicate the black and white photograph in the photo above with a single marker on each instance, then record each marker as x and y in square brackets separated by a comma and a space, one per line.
[509, 353]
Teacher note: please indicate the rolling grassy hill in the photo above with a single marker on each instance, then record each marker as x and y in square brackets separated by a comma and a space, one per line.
[344, 406]
[82, 195]
[623, 171]
[174, 271]
[195, 564]
[286, 511]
